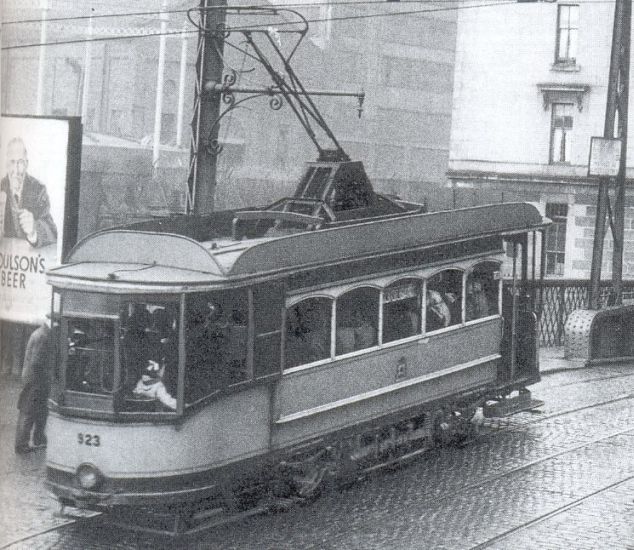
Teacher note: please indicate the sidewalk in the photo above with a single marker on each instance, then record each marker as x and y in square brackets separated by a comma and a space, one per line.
[27, 506]
[552, 360]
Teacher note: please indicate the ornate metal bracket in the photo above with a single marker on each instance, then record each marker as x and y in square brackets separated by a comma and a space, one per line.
[227, 96]
[286, 84]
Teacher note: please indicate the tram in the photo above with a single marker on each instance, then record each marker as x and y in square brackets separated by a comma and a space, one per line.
[317, 337]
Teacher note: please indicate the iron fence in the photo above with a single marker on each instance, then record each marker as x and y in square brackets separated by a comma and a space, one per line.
[561, 296]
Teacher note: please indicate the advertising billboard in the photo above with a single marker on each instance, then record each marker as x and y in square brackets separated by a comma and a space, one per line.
[40, 159]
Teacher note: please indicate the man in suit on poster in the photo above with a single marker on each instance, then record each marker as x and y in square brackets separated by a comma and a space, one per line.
[27, 209]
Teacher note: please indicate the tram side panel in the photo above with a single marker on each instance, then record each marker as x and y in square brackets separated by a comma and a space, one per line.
[316, 400]
[229, 429]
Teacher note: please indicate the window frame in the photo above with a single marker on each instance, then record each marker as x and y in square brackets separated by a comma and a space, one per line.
[381, 283]
[565, 132]
[566, 59]
[451, 326]
[559, 221]
[500, 286]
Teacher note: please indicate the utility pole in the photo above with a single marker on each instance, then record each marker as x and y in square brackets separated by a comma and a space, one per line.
[160, 81]
[616, 112]
[209, 67]
[41, 66]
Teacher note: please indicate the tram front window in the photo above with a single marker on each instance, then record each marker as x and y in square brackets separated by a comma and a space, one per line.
[90, 355]
[216, 342]
[149, 353]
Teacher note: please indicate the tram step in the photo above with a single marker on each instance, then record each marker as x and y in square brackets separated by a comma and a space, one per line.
[511, 405]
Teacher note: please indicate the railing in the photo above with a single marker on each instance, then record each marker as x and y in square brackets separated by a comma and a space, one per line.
[560, 297]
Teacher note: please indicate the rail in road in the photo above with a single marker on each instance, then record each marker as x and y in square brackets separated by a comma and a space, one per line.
[581, 441]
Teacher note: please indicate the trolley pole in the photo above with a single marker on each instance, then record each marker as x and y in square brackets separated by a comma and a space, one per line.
[209, 66]
[616, 110]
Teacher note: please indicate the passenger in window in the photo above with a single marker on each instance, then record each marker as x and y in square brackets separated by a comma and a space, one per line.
[151, 384]
[364, 331]
[160, 326]
[477, 303]
[438, 313]
[452, 299]
[308, 333]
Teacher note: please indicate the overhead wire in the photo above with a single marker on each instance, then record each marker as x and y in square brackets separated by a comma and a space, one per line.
[268, 4]
[265, 25]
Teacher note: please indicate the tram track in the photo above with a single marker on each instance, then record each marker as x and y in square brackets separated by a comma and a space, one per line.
[552, 514]
[400, 461]
[546, 458]
[585, 380]
[545, 417]
[48, 530]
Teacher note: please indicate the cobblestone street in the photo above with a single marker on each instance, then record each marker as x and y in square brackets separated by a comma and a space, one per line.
[561, 479]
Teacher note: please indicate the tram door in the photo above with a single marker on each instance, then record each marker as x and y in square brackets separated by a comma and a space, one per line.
[521, 329]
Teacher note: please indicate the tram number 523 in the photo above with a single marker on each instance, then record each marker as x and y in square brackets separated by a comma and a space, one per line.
[92, 440]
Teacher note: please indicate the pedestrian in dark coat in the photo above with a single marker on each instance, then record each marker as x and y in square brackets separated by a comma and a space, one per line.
[32, 402]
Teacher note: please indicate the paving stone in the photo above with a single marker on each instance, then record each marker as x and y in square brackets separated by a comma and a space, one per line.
[453, 498]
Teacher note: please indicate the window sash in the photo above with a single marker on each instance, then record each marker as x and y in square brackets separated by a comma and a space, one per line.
[561, 133]
[567, 33]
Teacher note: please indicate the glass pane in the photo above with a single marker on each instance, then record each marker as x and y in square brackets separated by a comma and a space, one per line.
[357, 320]
[564, 17]
[444, 299]
[482, 291]
[149, 352]
[308, 331]
[562, 47]
[567, 146]
[216, 328]
[572, 44]
[573, 16]
[90, 355]
[402, 310]
[558, 152]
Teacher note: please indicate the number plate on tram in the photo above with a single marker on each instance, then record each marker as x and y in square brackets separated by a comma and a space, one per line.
[92, 440]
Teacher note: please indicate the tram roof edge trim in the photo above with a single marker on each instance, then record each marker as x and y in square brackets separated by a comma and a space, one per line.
[303, 250]
[386, 236]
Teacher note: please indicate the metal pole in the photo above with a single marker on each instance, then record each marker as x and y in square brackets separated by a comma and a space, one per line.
[619, 200]
[181, 91]
[87, 69]
[41, 68]
[620, 49]
[160, 78]
[210, 67]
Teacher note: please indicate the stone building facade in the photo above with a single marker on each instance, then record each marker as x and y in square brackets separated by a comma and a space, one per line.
[403, 63]
[530, 91]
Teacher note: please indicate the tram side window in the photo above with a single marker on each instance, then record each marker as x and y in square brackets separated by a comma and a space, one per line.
[401, 310]
[308, 331]
[90, 355]
[482, 291]
[357, 320]
[444, 300]
[216, 342]
[149, 346]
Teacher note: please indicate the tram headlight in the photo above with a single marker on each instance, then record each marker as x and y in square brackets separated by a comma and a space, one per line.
[89, 476]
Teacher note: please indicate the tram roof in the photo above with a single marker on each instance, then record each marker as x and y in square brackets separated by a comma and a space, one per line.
[163, 258]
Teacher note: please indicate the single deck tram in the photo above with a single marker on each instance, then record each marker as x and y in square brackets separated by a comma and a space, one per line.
[219, 359]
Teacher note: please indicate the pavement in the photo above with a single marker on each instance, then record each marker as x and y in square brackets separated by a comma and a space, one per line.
[27, 507]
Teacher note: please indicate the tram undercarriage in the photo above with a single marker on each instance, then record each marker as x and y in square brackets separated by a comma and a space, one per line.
[303, 474]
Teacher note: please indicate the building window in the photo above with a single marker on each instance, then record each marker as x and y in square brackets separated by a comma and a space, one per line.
[556, 238]
[561, 133]
[567, 31]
